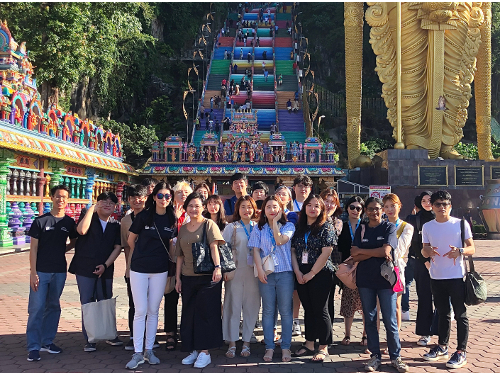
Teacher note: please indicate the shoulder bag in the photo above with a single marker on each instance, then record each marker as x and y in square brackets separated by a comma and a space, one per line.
[347, 269]
[170, 285]
[202, 257]
[230, 275]
[268, 260]
[476, 291]
[99, 317]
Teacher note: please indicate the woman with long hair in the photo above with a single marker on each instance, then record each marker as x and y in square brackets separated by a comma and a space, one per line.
[149, 241]
[201, 323]
[404, 232]
[373, 244]
[203, 189]
[312, 245]
[215, 211]
[271, 239]
[350, 301]
[242, 292]
[285, 194]
[333, 212]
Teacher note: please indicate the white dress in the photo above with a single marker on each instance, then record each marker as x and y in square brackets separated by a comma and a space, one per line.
[401, 252]
[242, 292]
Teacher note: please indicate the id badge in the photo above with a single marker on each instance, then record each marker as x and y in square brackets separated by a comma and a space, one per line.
[305, 257]
[250, 260]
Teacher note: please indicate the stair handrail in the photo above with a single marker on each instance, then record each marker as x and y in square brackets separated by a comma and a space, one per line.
[298, 81]
[276, 109]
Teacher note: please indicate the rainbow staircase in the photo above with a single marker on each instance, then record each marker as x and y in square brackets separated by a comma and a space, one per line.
[268, 98]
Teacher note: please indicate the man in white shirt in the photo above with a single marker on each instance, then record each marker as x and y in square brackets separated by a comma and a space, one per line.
[442, 242]
[302, 186]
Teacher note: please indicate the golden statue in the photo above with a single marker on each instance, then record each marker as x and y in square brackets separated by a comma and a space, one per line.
[443, 44]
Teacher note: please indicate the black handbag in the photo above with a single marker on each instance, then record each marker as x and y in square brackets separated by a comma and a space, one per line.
[202, 257]
[476, 291]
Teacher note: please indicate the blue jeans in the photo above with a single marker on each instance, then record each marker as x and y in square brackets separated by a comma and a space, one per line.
[86, 287]
[44, 310]
[409, 276]
[279, 288]
[387, 300]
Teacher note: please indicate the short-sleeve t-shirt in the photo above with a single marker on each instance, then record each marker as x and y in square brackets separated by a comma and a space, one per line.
[442, 235]
[185, 238]
[52, 234]
[95, 247]
[150, 255]
[368, 271]
[229, 205]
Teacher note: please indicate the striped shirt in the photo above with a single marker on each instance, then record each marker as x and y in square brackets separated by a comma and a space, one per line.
[283, 254]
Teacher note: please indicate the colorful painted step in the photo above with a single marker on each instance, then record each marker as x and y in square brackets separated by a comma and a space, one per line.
[281, 41]
[284, 67]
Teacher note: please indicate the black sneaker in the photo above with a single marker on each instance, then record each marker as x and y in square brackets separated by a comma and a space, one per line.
[89, 347]
[129, 345]
[34, 355]
[115, 342]
[51, 348]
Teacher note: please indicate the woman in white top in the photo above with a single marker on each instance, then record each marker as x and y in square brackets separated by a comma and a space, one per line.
[242, 292]
[404, 232]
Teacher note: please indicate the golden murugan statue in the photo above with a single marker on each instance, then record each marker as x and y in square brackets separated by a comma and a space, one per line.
[443, 46]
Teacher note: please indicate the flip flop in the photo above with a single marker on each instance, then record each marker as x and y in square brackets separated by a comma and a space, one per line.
[306, 352]
[231, 352]
[320, 360]
[268, 357]
[346, 340]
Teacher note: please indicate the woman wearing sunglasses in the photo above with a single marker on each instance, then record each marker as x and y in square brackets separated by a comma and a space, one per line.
[149, 240]
[350, 301]
[373, 244]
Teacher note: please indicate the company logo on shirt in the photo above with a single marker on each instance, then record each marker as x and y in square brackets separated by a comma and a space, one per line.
[380, 238]
[168, 229]
[64, 229]
[49, 228]
[148, 227]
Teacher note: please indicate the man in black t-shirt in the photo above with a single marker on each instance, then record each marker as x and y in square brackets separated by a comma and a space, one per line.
[49, 234]
[96, 250]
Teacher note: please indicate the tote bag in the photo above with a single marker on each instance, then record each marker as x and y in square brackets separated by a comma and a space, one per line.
[99, 317]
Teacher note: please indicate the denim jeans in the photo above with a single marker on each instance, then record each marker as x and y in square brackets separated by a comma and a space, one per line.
[44, 310]
[387, 300]
[409, 276]
[279, 288]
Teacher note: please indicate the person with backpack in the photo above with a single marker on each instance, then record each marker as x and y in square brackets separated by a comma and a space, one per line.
[404, 232]
[446, 241]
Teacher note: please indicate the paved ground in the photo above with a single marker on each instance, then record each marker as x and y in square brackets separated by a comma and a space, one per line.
[483, 354]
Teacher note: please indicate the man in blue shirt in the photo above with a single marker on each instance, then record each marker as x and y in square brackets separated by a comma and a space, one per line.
[239, 183]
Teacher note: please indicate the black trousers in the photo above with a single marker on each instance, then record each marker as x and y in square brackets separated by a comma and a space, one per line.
[427, 320]
[131, 307]
[443, 291]
[314, 296]
[201, 320]
[331, 299]
[170, 312]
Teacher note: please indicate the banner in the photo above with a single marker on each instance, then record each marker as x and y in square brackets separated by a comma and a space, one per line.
[379, 191]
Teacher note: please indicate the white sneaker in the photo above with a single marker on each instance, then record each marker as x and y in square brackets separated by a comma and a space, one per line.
[373, 364]
[203, 360]
[424, 341]
[405, 316]
[296, 331]
[191, 358]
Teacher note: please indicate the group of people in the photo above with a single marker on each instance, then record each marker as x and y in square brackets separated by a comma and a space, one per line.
[287, 248]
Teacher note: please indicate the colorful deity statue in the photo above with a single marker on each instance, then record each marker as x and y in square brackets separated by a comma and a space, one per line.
[251, 154]
[173, 156]
[209, 154]
[224, 155]
[18, 117]
[202, 154]
[243, 151]
[235, 154]
[312, 156]
[283, 155]
[191, 152]
[5, 107]
[185, 151]
[216, 156]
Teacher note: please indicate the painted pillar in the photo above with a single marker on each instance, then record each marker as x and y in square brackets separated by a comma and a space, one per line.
[41, 183]
[6, 158]
[89, 186]
[57, 172]
[119, 194]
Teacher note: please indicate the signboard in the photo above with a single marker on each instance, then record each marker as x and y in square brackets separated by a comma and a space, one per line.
[495, 173]
[469, 176]
[379, 191]
[433, 175]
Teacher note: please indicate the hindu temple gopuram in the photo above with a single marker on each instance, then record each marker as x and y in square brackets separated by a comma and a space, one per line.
[40, 149]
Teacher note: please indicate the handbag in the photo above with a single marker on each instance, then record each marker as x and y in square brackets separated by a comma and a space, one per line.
[476, 290]
[99, 317]
[346, 273]
[202, 258]
[170, 285]
[230, 275]
[267, 262]
[390, 271]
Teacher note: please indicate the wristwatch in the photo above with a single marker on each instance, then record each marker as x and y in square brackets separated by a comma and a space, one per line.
[461, 250]
[217, 266]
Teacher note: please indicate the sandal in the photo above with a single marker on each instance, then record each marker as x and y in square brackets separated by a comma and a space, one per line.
[346, 340]
[364, 341]
[245, 351]
[231, 352]
[286, 355]
[268, 357]
[305, 352]
[171, 343]
[316, 359]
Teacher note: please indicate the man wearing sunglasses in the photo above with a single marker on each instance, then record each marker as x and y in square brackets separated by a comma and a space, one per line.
[442, 243]
[96, 250]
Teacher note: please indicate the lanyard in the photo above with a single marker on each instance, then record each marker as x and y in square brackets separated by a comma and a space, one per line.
[306, 236]
[350, 228]
[244, 227]
[273, 241]
[296, 204]
[398, 221]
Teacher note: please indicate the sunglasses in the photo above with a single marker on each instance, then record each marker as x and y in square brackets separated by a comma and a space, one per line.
[161, 196]
[374, 209]
[357, 208]
[441, 204]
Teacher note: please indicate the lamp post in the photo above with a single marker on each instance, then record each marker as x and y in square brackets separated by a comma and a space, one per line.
[319, 122]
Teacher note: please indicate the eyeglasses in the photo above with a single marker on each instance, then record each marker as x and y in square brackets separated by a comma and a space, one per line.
[374, 209]
[441, 204]
[357, 208]
[108, 203]
[161, 196]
